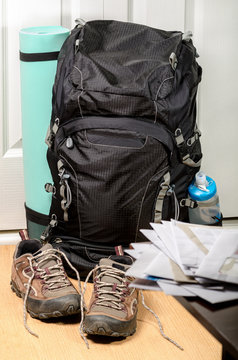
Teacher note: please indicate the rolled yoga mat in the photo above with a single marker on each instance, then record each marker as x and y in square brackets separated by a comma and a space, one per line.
[39, 48]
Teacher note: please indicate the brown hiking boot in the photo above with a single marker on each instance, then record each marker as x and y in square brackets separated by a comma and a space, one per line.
[39, 278]
[113, 305]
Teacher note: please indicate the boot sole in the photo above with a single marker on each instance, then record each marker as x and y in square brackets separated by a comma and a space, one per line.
[107, 326]
[58, 307]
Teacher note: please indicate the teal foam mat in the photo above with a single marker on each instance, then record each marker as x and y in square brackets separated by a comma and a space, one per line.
[37, 78]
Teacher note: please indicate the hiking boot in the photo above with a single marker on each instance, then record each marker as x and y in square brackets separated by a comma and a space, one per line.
[39, 278]
[113, 305]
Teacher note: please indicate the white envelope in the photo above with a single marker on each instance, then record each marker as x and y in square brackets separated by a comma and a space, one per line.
[213, 296]
[221, 263]
[174, 290]
[163, 267]
[137, 269]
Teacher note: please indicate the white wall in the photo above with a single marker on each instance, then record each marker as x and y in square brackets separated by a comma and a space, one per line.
[216, 33]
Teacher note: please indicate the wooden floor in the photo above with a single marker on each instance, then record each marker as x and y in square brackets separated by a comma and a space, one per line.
[61, 340]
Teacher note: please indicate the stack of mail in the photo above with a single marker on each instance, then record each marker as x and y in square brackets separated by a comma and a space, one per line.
[184, 259]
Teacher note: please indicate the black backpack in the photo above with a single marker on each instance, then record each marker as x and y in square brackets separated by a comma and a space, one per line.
[123, 141]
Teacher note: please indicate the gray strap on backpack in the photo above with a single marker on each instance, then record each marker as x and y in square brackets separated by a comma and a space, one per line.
[160, 199]
[80, 22]
[65, 191]
[193, 204]
[51, 132]
[187, 36]
[189, 203]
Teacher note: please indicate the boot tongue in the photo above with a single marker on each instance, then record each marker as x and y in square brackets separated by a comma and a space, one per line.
[46, 260]
[43, 248]
[115, 266]
[46, 247]
[110, 279]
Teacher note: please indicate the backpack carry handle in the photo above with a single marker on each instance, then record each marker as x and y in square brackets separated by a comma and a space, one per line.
[155, 130]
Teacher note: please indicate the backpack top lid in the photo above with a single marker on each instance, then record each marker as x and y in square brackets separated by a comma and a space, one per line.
[119, 68]
[125, 54]
[119, 57]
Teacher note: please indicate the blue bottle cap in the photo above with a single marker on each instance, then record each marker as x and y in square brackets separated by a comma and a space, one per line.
[200, 195]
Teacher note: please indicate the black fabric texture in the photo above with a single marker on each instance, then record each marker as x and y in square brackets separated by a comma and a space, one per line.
[141, 126]
[113, 186]
[118, 102]
[84, 257]
[36, 217]
[118, 68]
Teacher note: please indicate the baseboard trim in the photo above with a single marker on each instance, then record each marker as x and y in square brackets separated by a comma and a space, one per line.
[9, 237]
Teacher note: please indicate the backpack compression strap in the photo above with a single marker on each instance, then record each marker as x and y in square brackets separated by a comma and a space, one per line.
[164, 187]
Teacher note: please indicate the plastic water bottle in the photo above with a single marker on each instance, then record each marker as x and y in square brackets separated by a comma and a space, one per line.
[203, 190]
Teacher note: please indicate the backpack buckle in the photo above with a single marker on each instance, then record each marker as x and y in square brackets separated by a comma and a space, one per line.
[46, 233]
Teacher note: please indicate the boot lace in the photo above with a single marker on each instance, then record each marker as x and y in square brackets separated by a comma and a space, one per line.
[54, 277]
[118, 293]
[112, 296]
[103, 297]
